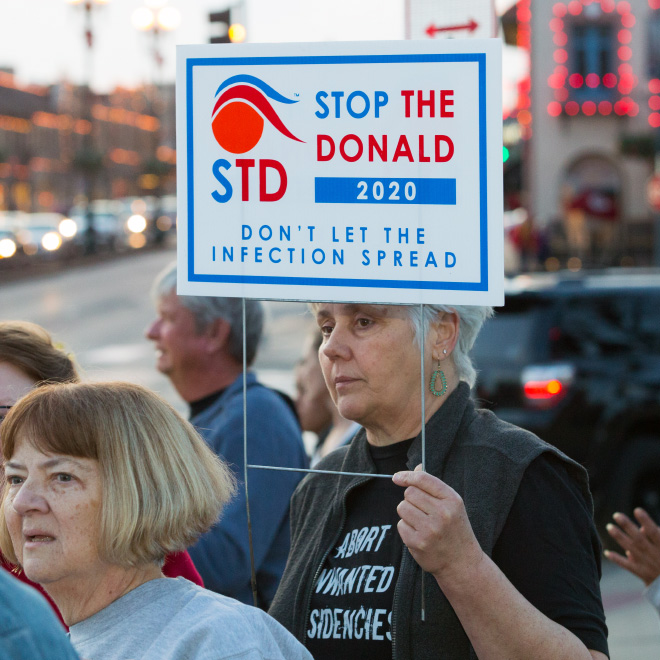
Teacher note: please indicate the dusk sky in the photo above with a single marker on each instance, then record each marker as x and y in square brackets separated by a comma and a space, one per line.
[43, 40]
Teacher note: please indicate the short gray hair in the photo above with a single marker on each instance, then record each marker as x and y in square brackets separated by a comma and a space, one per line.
[471, 317]
[207, 309]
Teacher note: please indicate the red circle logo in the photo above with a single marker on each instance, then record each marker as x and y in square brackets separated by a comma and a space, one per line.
[240, 112]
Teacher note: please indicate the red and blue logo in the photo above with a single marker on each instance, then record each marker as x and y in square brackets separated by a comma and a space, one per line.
[240, 110]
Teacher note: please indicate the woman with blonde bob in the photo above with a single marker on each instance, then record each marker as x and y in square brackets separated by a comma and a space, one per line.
[102, 482]
[28, 359]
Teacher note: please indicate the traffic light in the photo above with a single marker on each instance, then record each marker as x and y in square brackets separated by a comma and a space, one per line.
[229, 32]
[224, 18]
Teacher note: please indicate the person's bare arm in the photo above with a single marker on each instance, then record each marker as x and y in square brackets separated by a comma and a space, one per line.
[499, 621]
[641, 545]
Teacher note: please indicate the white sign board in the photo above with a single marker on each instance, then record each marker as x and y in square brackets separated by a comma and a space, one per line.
[364, 172]
[450, 19]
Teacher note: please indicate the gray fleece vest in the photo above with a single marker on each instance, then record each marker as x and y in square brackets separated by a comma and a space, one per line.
[474, 452]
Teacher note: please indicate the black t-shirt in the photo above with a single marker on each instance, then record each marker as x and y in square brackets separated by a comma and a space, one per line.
[351, 608]
[199, 406]
[196, 407]
[548, 549]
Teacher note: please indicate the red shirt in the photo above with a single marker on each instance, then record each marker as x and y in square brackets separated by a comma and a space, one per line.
[178, 564]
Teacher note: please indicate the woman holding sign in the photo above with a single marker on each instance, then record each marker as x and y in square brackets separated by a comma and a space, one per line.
[489, 552]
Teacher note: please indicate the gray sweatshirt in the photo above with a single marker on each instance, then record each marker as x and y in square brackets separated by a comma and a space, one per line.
[173, 619]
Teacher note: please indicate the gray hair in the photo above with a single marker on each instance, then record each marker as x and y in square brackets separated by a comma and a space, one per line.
[471, 317]
[207, 309]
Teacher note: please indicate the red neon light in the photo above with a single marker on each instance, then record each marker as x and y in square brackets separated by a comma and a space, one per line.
[624, 36]
[560, 39]
[574, 8]
[609, 80]
[555, 81]
[589, 108]
[654, 85]
[654, 119]
[560, 82]
[554, 109]
[624, 53]
[654, 4]
[654, 103]
[592, 80]
[523, 40]
[626, 83]
[575, 80]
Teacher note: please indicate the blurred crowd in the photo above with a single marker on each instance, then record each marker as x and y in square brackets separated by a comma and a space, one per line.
[217, 536]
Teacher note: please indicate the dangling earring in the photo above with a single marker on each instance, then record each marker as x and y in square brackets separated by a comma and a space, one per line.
[438, 373]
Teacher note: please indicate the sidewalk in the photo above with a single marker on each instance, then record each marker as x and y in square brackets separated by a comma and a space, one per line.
[634, 626]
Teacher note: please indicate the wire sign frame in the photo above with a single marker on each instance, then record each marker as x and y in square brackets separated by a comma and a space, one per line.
[392, 150]
[339, 473]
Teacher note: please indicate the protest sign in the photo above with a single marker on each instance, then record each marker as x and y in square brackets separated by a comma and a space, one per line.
[341, 171]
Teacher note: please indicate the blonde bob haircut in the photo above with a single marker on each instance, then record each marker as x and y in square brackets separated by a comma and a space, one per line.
[162, 485]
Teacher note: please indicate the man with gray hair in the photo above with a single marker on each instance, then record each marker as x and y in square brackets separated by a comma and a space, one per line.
[199, 347]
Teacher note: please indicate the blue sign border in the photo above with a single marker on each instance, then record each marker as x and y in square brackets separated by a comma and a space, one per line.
[479, 58]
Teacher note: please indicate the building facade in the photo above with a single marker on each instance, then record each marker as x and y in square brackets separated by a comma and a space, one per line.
[591, 137]
[62, 144]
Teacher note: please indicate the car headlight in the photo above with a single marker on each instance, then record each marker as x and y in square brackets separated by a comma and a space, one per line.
[7, 248]
[136, 223]
[164, 223]
[68, 228]
[24, 237]
[51, 241]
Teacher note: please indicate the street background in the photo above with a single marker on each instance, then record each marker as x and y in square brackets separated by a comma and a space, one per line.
[99, 313]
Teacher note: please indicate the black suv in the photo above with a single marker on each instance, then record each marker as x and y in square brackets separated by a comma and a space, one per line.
[576, 360]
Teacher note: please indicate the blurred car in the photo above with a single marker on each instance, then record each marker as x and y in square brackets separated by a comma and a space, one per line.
[113, 223]
[136, 215]
[163, 227]
[9, 243]
[39, 235]
[157, 216]
[576, 360]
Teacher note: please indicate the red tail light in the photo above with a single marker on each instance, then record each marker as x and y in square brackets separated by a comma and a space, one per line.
[543, 389]
[544, 386]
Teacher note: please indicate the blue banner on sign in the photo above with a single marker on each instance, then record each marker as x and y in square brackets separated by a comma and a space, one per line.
[351, 190]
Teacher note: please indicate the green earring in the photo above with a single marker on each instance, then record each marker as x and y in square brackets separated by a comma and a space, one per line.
[438, 373]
